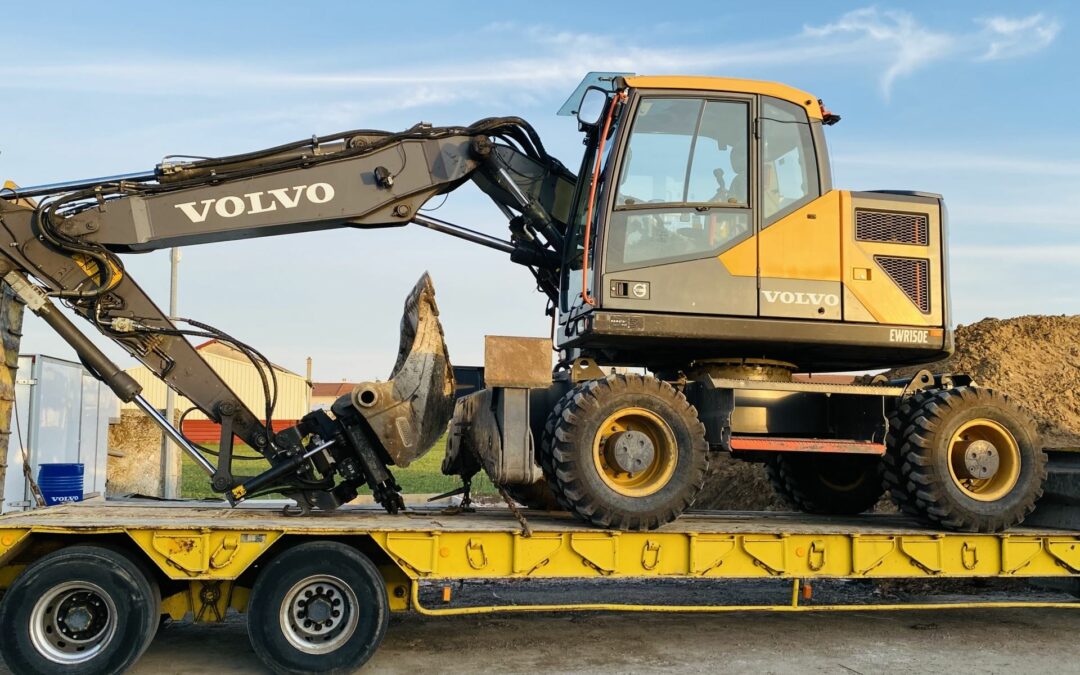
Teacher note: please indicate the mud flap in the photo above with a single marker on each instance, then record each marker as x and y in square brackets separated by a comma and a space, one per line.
[410, 411]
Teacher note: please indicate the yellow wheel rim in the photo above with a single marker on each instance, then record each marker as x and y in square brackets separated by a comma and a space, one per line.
[969, 449]
[655, 445]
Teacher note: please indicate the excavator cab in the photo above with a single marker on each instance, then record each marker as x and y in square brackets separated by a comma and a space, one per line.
[706, 225]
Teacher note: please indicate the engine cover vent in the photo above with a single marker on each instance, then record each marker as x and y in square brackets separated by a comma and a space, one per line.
[912, 275]
[892, 228]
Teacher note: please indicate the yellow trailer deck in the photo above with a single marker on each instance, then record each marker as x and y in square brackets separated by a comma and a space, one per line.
[205, 559]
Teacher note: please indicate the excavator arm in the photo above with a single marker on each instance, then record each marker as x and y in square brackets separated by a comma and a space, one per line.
[66, 248]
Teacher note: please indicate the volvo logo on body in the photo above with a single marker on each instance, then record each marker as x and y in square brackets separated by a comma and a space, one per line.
[793, 298]
[253, 203]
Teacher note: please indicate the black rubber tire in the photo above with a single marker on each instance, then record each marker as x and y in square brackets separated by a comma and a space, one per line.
[290, 568]
[135, 596]
[826, 483]
[546, 452]
[575, 473]
[536, 496]
[936, 499]
[891, 476]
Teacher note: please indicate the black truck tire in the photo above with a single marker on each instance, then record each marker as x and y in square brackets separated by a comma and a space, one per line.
[86, 609]
[971, 460]
[826, 483]
[319, 607]
[628, 452]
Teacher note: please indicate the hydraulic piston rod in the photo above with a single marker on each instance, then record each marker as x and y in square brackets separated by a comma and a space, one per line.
[174, 434]
[71, 186]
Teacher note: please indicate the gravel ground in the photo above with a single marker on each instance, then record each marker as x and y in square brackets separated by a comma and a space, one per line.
[955, 641]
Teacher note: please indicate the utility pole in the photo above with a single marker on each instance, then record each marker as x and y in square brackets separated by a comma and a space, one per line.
[170, 454]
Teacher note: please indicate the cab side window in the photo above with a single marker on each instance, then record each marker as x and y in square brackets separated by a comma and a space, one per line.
[789, 176]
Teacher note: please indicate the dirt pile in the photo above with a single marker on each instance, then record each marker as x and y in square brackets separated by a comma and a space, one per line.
[1034, 359]
[735, 485]
[139, 470]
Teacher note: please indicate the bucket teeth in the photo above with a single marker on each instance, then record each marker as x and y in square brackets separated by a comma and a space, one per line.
[409, 412]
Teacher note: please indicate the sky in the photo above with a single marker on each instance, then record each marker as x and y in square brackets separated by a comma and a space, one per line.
[976, 101]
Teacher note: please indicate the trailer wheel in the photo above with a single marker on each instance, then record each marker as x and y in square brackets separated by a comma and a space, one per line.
[629, 452]
[827, 483]
[972, 460]
[87, 609]
[320, 607]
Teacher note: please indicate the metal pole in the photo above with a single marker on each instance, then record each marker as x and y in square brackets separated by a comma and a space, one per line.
[171, 465]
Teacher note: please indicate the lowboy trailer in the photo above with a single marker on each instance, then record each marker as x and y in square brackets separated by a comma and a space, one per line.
[87, 585]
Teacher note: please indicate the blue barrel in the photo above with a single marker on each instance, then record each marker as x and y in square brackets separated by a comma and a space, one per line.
[61, 483]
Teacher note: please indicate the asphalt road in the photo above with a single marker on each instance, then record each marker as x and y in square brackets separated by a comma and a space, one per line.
[954, 641]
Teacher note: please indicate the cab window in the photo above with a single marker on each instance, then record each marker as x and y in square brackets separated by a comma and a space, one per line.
[683, 190]
[789, 177]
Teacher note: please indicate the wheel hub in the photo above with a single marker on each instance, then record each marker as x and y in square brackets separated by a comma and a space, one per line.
[984, 459]
[981, 460]
[72, 622]
[319, 614]
[635, 452]
[632, 451]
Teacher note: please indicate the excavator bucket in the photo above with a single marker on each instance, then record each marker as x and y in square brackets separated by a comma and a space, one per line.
[410, 411]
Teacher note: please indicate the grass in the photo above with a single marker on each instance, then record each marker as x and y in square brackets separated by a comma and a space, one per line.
[424, 476]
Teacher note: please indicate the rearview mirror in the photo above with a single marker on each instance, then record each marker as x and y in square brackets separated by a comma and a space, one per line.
[592, 106]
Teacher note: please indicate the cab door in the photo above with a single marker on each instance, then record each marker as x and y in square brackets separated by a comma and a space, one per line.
[799, 264]
[682, 195]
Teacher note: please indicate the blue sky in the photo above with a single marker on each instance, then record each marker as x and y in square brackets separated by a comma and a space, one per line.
[977, 101]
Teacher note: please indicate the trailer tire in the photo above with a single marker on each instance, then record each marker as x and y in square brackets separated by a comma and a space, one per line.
[941, 484]
[827, 484]
[85, 608]
[599, 416]
[353, 609]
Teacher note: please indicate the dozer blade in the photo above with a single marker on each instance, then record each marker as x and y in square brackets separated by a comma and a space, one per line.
[410, 411]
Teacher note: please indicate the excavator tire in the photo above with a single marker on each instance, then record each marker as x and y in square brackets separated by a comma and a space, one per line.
[545, 453]
[895, 485]
[628, 452]
[971, 460]
[826, 483]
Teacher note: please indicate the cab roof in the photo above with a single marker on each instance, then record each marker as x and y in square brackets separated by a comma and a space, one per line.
[701, 83]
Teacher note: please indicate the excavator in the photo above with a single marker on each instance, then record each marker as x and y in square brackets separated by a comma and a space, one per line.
[701, 272]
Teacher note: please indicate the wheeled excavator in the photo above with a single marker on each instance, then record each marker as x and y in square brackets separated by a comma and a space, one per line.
[701, 271]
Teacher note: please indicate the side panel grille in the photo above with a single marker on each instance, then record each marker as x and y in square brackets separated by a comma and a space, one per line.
[893, 228]
[910, 274]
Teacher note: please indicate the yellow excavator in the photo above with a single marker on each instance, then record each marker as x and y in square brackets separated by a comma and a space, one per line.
[701, 271]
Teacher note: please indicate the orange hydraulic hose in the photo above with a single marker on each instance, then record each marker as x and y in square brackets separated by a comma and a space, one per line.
[621, 96]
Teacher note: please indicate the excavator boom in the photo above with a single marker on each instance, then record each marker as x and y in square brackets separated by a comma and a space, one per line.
[67, 248]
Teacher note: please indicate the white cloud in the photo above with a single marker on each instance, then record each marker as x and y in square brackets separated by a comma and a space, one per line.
[959, 160]
[1010, 38]
[893, 42]
[906, 46]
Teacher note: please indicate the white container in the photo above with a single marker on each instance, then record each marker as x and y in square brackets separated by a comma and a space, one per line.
[62, 414]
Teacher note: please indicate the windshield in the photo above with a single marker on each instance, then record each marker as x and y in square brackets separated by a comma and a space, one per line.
[572, 263]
